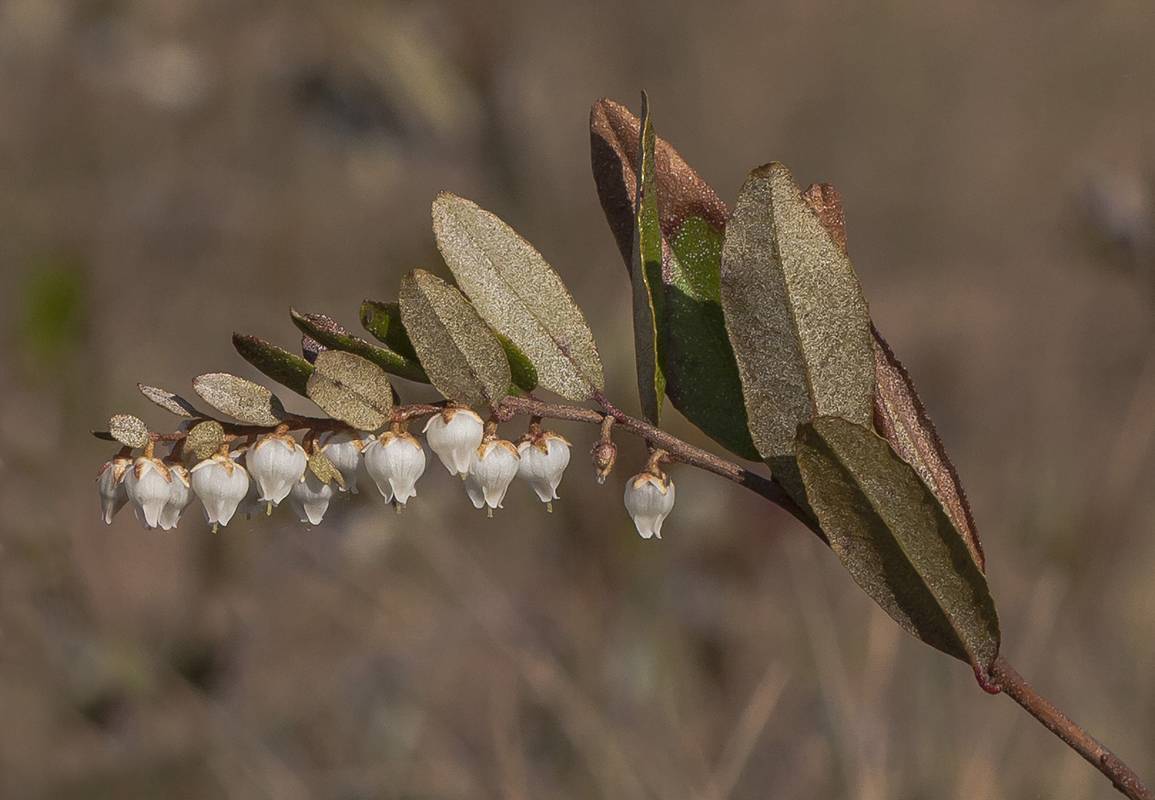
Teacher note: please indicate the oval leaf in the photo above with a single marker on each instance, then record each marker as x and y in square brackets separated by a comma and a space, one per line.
[240, 399]
[282, 366]
[892, 535]
[463, 358]
[128, 430]
[383, 320]
[519, 294]
[325, 470]
[169, 401]
[351, 389]
[204, 439]
[332, 336]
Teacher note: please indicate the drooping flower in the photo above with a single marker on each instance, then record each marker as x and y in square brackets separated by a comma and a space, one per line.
[454, 435]
[276, 463]
[395, 461]
[544, 457]
[149, 488]
[493, 471]
[344, 450]
[221, 484]
[310, 498]
[649, 498]
[180, 495]
[110, 484]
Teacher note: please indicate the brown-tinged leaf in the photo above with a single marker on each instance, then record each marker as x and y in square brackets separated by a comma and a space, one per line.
[204, 439]
[241, 399]
[285, 368]
[518, 293]
[463, 358]
[169, 401]
[128, 430]
[332, 336]
[827, 204]
[892, 535]
[325, 470]
[351, 389]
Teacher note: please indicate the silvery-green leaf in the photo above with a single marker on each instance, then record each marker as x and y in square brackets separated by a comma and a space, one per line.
[519, 294]
[383, 320]
[282, 366]
[796, 318]
[204, 439]
[892, 535]
[646, 278]
[169, 401]
[241, 399]
[351, 389]
[332, 336]
[463, 358]
[128, 430]
[321, 466]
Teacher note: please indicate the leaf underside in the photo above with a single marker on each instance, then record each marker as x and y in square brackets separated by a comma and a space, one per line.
[351, 389]
[239, 398]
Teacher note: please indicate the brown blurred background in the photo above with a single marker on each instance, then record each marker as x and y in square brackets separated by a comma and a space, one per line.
[173, 171]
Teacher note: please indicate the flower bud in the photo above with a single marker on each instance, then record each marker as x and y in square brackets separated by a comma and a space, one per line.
[649, 499]
[110, 484]
[149, 487]
[221, 484]
[310, 498]
[276, 463]
[344, 451]
[493, 471]
[604, 454]
[395, 461]
[454, 435]
[180, 495]
[544, 458]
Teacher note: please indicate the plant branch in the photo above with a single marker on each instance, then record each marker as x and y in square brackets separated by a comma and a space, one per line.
[1058, 723]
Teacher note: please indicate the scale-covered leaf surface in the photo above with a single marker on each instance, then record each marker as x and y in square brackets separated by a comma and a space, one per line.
[205, 438]
[170, 402]
[351, 389]
[241, 399]
[128, 430]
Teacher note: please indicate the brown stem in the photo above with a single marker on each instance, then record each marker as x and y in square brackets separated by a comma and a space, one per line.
[1058, 723]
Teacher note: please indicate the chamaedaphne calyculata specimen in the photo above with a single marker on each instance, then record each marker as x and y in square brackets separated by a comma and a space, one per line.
[749, 319]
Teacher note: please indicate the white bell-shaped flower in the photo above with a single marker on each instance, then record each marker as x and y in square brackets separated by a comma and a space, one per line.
[149, 487]
[180, 495]
[344, 450]
[493, 471]
[276, 463]
[544, 458]
[221, 484]
[454, 435]
[310, 498]
[649, 499]
[395, 461]
[110, 484]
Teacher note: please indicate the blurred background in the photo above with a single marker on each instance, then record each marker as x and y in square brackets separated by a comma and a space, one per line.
[175, 170]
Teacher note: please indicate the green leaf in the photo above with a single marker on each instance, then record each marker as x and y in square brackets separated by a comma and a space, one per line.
[332, 336]
[464, 359]
[892, 535]
[241, 399]
[204, 439]
[646, 278]
[351, 389]
[128, 430]
[519, 294]
[169, 401]
[521, 369]
[796, 317]
[383, 320]
[285, 368]
[696, 359]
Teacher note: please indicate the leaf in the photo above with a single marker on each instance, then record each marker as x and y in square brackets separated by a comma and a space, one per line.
[321, 466]
[697, 360]
[892, 535]
[462, 356]
[204, 439]
[241, 399]
[332, 336]
[169, 401]
[282, 366]
[351, 389]
[521, 369]
[104, 436]
[796, 317]
[646, 278]
[518, 293]
[383, 320]
[128, 430]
